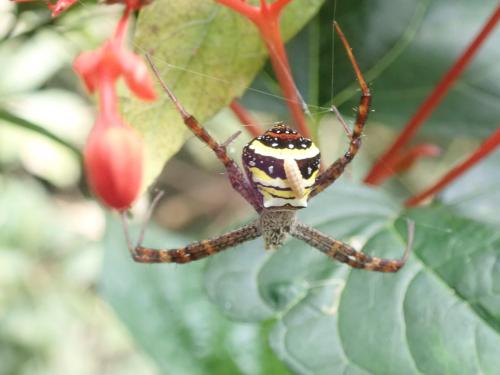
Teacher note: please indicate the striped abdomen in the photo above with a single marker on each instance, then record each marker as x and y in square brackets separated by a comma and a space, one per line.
[283, 166]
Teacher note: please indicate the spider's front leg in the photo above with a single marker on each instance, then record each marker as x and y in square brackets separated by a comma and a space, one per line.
[338, 167]
[238, 180]
[346, 254]
[197, 250]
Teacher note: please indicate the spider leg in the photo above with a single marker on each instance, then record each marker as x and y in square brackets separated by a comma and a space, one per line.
[337, 168]
[346, 254]
[340, 119]
[238, 180]
[197, 250]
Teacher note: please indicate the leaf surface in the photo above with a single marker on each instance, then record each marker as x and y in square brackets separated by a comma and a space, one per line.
[167, 312]
[405, 49]
[332, 319]
[208, 55]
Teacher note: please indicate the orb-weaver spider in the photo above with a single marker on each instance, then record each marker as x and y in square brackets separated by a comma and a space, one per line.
[282, 170]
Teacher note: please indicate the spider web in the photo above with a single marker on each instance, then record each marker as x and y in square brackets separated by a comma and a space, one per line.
[227, 270]
[330, 129]
[264, 90]
[165, 286]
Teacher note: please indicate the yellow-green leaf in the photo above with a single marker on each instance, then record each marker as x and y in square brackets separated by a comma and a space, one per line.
[208, 55]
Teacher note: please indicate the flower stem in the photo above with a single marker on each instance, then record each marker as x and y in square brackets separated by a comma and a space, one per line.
[377, 174]
[488, 146]
[121, 28]
[108, 107]
[246, 119]
[266, 18]
[408, 157]
[279, 60]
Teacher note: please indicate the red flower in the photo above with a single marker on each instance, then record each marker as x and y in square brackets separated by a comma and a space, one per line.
[60, 6]
[113, 163]
[57, 8]
[109, 63]
[114, 152]
[133, 4]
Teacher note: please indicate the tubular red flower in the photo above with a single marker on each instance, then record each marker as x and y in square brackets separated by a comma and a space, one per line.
[112, 61]
[132, 4]
[84, 65]
[114, 152]
[137, 76]
[57, 8]
[113, 162]
[60, 6]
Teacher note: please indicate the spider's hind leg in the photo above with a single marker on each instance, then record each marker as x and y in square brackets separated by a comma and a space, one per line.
[346, 254]
[197, 250]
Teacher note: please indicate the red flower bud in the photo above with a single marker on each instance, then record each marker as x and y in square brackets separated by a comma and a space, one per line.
[137, 76]
[113, 61]
[60, 6]
[57, 8]
[85, 65]
[113, 162]
[114, 152]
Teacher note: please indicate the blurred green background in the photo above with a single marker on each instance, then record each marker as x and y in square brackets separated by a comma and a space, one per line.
[52, 320]
[71, 302]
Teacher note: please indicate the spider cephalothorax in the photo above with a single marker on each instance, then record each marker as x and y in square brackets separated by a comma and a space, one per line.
[282, 165]
[282, 174]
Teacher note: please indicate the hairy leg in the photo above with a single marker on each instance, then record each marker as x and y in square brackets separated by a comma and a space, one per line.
[337, 168]
[346, 254]
[238, 180]
[197, 250]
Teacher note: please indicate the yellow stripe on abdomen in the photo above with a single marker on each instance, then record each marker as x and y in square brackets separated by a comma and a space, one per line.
[259, 176]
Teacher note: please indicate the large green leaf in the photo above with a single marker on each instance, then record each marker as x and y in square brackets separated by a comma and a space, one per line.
[440, 314]
[407, 46]
[170, 317]
[208, 55]
[403, 47]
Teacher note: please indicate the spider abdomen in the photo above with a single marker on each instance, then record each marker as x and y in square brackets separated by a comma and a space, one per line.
[282, 165]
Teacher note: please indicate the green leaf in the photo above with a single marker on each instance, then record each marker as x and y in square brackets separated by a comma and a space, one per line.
[167, 312]
[403, 49]
[419, 41]
[21, 122]
[208, 55]
[19, 56]
[439, 314]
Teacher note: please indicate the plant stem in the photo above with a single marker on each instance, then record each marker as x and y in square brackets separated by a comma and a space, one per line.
[377, 174]
[26, 124]
[481, 152]
[279, 60]
[266, 18]
[246, 119]
[121, 28]
[108, 100]
[408, 157]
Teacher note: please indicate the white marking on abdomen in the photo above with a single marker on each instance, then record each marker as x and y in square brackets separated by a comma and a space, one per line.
[294, 177]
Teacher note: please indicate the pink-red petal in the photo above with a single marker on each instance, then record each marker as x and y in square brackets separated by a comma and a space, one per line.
[137, 76]
[60, 6]
[86, 65]
[113, 163]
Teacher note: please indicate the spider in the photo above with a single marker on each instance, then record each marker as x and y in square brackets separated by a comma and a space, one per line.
[282, 174]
